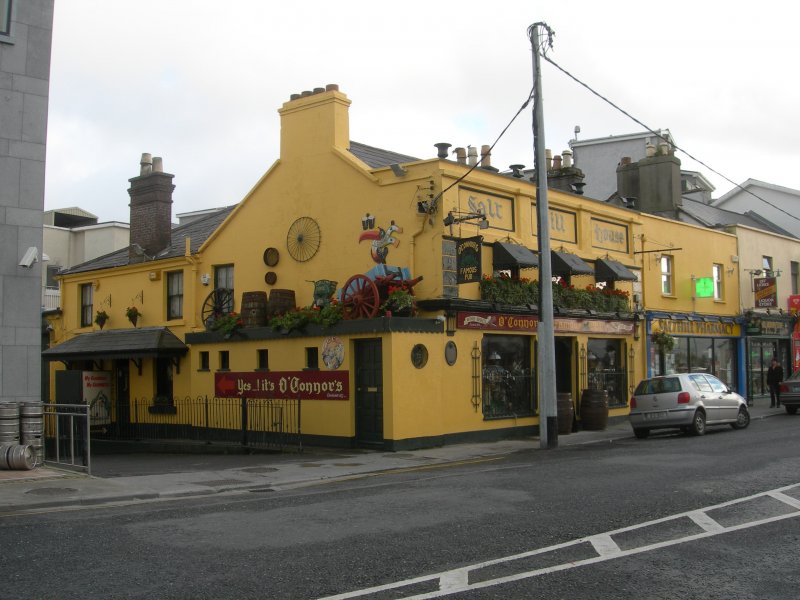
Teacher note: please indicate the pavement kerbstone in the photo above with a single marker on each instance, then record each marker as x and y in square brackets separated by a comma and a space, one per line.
[49, 488]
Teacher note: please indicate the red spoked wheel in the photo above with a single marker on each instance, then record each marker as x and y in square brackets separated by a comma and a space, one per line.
[360, 298]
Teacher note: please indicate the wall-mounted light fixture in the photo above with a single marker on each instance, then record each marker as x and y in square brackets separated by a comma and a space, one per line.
[453, 217]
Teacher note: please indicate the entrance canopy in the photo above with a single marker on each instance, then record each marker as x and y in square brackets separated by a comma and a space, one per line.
[119, 343]
[607, 269]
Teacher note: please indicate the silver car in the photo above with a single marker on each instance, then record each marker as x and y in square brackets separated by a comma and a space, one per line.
[686, 401]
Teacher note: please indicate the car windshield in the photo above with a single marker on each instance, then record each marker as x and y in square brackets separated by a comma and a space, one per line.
[661, 385]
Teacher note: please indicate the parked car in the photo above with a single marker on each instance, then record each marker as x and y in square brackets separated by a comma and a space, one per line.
[686, 401]
[790, 393]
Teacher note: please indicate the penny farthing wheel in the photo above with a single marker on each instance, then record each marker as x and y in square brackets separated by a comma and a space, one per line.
[218, 303]
[360, 298]
[303, 239]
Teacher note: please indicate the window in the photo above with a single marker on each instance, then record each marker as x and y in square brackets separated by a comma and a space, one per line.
[5, 19]
[86, 305]
[717, 274]
[312, 358]
[52, 271]
[175, 295]
[766, 264]
[507, 381]
[164, 380]
[203, 361]
[224, 361]
[666, 275]
[263, 360]
[223, 278]
[795, 266]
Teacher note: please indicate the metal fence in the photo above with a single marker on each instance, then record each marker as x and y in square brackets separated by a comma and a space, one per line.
[614, 382]
[251, 422]
[66, 439]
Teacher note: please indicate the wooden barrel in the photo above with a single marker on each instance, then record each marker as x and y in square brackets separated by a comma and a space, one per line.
[594, 410]
[280, 302]
[9, 423]
[254, 309]
[565, 413]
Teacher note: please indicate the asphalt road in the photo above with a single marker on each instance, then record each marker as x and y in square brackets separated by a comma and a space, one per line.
[531, 525]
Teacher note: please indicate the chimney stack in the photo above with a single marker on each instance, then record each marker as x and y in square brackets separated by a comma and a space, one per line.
[151, 209]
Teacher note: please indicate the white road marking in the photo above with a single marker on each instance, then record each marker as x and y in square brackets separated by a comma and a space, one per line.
[457, 580]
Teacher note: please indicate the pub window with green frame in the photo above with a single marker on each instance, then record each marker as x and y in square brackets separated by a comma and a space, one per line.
[5, 18]
[175, 295]
[86, 305]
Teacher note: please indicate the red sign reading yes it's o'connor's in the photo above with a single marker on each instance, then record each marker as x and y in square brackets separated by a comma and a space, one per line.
[302, 385]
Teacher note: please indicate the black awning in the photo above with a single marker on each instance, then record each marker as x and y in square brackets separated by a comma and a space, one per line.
[119, 343]
[566, 264]
[510, 256]
[606, 269]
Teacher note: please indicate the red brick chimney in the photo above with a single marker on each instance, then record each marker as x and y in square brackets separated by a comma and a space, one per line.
[151, 210]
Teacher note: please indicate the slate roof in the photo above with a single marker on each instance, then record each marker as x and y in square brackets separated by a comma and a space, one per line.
[199, 231]
[118, 343]
[376, 157]
[698, 213]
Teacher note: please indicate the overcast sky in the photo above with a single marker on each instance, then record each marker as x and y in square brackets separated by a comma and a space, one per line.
[199, 83]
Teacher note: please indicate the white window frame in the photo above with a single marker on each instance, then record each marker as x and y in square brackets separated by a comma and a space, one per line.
[717, 274]
[667, 268]
[6, 18]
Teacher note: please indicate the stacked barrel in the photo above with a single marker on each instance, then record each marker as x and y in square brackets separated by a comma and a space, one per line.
[24, 451]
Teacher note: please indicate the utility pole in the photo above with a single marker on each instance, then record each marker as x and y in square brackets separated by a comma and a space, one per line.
[546, 358]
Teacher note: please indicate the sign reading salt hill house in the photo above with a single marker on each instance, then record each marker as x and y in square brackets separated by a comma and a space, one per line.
[609, 236]
[499, 210]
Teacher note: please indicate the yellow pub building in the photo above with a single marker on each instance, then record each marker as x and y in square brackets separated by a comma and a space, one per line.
[337, 227]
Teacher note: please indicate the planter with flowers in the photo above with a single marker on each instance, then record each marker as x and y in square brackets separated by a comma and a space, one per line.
[100, 318]
[663, 341]
[133, 314]
[228, 324]
[399, 303]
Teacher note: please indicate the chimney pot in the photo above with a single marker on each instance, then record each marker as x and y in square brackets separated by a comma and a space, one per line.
[294, 96]
[472, 155]
[556, 163]
[486, 157]
[332, 87]
[650, 150]
[319, 90]
[461, 155]
[158, 164]
[566, 158]
[306, 93]
[442, 147]
[146, 164]
[625, 161]
[516, 171]
[548, 158]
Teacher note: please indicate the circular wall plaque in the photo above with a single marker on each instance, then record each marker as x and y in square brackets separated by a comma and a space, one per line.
[419, 356]
[270, 278]
[271, 256]
[450, 353]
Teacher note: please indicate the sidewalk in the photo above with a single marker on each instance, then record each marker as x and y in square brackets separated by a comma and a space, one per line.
[47, 488]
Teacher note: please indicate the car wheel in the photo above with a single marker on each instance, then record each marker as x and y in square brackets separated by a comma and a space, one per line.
[698, 426]
[641, 433]
[790, 409]
[742, 419]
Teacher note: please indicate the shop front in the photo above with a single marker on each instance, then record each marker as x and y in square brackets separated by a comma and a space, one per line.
[692, 343]
[768, 337]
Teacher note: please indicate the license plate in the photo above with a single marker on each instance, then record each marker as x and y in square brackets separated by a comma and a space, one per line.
[652, 416]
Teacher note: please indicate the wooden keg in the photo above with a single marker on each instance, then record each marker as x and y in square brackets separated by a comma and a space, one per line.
[254, 309]
[594, 410]
[280, 302]
[565, 412]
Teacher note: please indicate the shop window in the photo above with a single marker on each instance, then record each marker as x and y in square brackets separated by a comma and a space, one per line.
[508, 383]
[204, 363]
[224, 361]
[263, 360]
[312, 358]
[86, 305]
[716, 356]
[666, 275]
[163, 381]
[716, 272]
[605, 362]
[175, 295]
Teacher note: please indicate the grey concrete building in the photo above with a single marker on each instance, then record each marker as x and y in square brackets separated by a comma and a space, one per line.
[26, 29]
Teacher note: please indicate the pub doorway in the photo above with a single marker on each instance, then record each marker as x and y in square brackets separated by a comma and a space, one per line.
[565, 369]
[369, 392]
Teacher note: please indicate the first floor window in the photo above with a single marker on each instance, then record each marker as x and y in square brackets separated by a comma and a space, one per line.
[507, 379]
[86, 305]
[717, 275]
[223, 279]
[263, 359]
[203, 361]
[5, 17]
[666, 275]
[175, 295]
[224, 361]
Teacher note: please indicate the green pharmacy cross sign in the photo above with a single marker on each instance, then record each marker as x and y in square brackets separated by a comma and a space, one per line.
[704, 287]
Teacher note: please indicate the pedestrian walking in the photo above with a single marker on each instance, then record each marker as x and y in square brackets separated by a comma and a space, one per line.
[774, 378]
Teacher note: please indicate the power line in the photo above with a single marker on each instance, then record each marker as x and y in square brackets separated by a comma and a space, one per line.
[655, 133]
